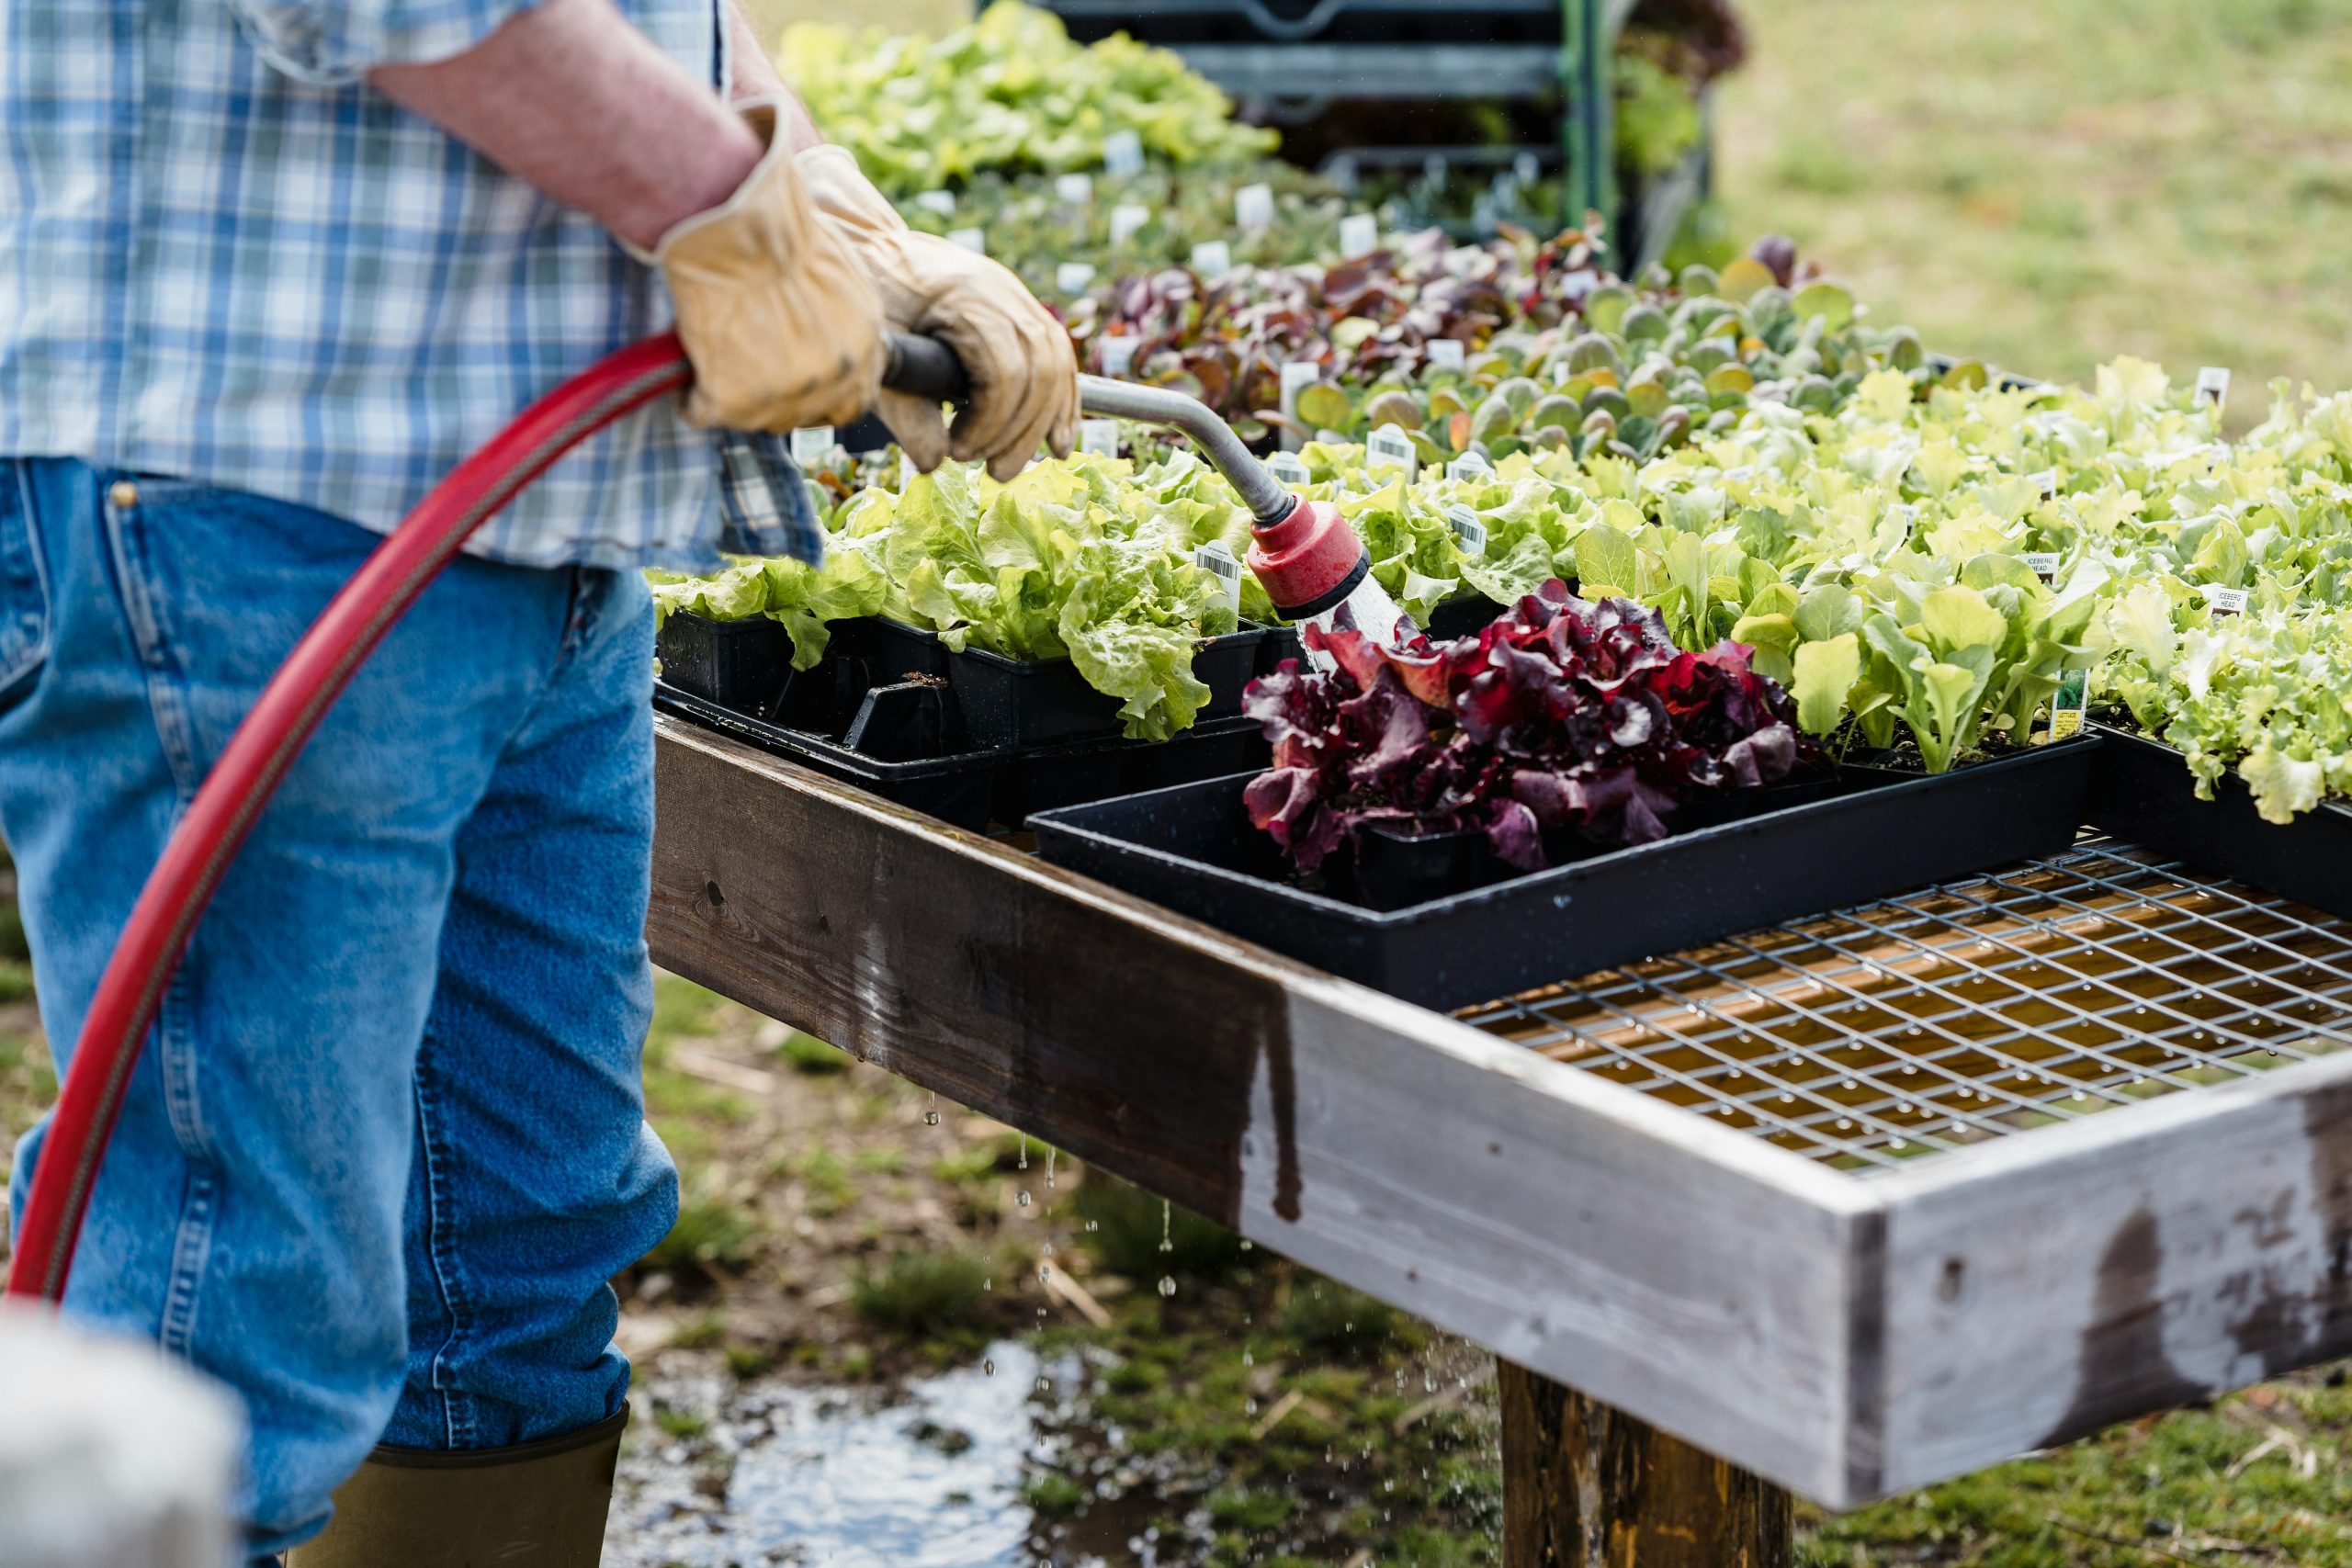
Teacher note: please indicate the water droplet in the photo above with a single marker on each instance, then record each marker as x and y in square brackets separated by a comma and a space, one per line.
[1044, 1273]
[1249, 1360]
[1167, 1284]
[1045, 1385]
[1167, 1219]
[1047, 1249]
[930, 1114]
[1020, 1199]
[1094, 1225]
[1248, 1245]
[1025, 1151]
[1248, 1407]
[1051, 1153]
[988, 1368]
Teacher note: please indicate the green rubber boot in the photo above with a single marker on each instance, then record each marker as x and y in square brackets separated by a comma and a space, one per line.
[537, 1505]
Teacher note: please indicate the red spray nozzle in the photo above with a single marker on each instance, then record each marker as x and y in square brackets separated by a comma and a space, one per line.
[1309, 560]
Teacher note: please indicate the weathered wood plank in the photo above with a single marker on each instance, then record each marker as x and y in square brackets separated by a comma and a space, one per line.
[1587, 1486]
[1842, 1336]
[2042, 1287]
[1692, 1276]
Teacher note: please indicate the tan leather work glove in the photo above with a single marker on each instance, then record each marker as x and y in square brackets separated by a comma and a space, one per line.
[1024, 374]
[782, 325]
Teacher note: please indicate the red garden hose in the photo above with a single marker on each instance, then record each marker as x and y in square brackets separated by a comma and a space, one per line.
[255, 761]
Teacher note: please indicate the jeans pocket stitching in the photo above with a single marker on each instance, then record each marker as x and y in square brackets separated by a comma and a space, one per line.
[39, 613]
[174, 723]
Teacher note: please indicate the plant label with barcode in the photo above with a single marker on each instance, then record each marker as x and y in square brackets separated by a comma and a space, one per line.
[1122, 152]
[1446, 354]
[1126, 218]
[1359, 234]
[1470, 467]
[1218, 562]
[940, 201]
[2225, 601]
[1212, 259]
[1469, 534]
[2067, 708]
[1390, 447]
[1074, 190]
[1119, 354]
[1099, 436]
[973, 240]
[2045, 482]
[1253, 209]
[2213, 384]
[1286, 466]
[812, 444]
[1071, 277]
[2044, 564]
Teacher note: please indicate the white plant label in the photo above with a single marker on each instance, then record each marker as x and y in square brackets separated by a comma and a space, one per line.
[1099, 436]
[1469, 534]
[1469, 467]
[1579, 283]
[972, 240]
[1071, 277]
[1285, 466]
[811, 444]
[2225, 601]
[1126, 218]
[1075, 191]
[2044, 564]
[1390, 447]
[1122, 152]
[1527, 167]
[1359, 234]
[1253, 207]
[1119, 354]
[2213, 384]
[1218, 562]
[2046, 482]
[940, 201]
[1212, 259]
[1446, 354]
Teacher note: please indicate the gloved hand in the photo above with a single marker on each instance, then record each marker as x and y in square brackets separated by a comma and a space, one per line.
[778, 317]
[1024, 374]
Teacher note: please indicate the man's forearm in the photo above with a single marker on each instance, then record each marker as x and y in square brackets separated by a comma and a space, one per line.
[753, 75]
[572, 97]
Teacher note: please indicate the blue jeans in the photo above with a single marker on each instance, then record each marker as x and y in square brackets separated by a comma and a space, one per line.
[387, 1141]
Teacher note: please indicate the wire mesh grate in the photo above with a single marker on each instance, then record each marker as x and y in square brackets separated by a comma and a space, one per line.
[2048, 990]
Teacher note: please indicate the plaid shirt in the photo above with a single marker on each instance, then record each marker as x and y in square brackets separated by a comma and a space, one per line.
[224, 257]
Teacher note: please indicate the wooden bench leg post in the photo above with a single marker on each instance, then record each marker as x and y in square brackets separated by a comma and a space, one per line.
[1587, 1486]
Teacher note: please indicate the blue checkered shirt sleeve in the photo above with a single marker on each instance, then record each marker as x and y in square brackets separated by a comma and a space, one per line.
[764, 502]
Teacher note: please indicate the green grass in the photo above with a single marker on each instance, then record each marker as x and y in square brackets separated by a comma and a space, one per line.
[807, 1054]
[915, 1294]
[2050, 184]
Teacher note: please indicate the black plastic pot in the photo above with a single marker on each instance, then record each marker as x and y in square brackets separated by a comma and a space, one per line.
[901, 743]
[1012, 702]
[738, 664]
[1193, 849]
[2143, 793]
[1458, 618]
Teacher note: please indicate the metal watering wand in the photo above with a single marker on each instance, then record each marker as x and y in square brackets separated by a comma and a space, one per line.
[1310, 562]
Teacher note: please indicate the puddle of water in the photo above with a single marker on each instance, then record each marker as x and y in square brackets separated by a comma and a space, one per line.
[931, 1479]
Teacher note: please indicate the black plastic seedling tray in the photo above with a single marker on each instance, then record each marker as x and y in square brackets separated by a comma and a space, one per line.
[894, 749]
[1192, 848]
[1012, 702]
[2143, 793]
